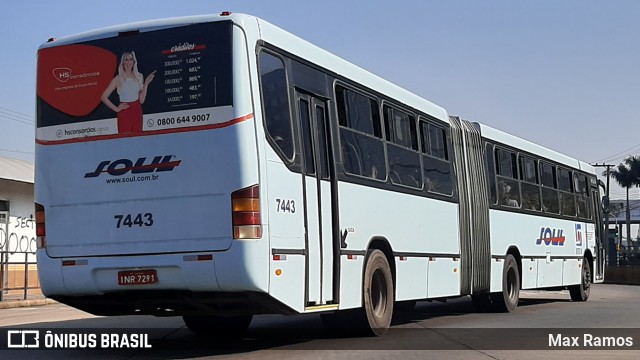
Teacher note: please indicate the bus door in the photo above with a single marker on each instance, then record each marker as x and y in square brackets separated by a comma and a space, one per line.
[316, 175]
[599, 234]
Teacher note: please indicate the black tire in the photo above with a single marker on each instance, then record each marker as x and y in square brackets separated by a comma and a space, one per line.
[377, 293]
[581, 291]
[225, 326]
[507, 300]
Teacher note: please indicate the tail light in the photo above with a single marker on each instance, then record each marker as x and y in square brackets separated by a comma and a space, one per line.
[41, 231]
[245, 204]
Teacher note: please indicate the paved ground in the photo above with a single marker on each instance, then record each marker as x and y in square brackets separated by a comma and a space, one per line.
[451, 330]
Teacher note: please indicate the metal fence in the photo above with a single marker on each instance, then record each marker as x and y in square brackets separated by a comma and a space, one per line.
[18, 268]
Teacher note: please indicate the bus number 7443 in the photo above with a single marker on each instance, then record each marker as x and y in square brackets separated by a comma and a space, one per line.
[130, 220]
[286, 206]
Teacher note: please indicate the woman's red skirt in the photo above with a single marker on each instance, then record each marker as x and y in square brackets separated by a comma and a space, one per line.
[130, 119]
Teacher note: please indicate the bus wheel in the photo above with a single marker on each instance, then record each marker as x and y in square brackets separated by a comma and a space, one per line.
[581, 292]
[378, 293]
[507, 300]
[225, 326]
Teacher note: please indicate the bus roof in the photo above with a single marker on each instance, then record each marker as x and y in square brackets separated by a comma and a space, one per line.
[533, 148]
[280, 38]
[293, 44]
[142, 26]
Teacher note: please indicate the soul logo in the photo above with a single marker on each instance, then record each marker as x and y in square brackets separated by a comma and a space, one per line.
[550, 236]
[123, 166]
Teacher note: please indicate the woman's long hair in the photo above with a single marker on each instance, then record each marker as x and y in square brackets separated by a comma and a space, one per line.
[136, 73]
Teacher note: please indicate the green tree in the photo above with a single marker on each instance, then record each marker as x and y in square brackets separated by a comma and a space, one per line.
[627, 174]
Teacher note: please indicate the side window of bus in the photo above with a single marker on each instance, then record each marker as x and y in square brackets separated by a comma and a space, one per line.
[582, 197]
[530, 189]
[402, 151]
[508, 185]
[550, 202]
[491, 174]
[435, 159]
[275, 101]
[360, 134]
[567, 198]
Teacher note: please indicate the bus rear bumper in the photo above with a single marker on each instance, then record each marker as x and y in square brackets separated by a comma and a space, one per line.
[99, 275]
[183, 282]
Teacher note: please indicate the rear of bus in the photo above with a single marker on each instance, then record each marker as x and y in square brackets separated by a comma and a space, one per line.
[147, 170]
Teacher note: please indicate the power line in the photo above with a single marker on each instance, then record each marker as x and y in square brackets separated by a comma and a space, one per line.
[17, 113]
[20, 118]
[17, 151]
[17, 118]
[616, 156]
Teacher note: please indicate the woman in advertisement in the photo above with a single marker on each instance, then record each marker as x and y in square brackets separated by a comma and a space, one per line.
[132, 91]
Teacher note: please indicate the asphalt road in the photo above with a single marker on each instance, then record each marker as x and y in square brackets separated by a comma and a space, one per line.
[451, 330]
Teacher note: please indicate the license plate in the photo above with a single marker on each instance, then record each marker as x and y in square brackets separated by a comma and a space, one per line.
[137, 277]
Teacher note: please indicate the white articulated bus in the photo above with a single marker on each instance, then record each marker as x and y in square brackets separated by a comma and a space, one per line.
[218, 167]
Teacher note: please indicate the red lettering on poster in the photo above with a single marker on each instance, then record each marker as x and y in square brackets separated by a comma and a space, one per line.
[71, 78]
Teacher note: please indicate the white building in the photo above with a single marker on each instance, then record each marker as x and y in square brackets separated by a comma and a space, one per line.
[17, 223]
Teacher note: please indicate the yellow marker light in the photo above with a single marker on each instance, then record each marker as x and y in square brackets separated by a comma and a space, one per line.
[278, 272]
[246, 204]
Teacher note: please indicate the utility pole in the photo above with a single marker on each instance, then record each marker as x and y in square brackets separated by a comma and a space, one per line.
[611, 247]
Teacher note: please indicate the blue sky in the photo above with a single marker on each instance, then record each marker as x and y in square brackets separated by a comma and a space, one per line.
[564, 74]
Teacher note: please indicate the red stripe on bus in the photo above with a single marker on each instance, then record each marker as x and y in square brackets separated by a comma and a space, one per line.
[147, 133]
[555, 239]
